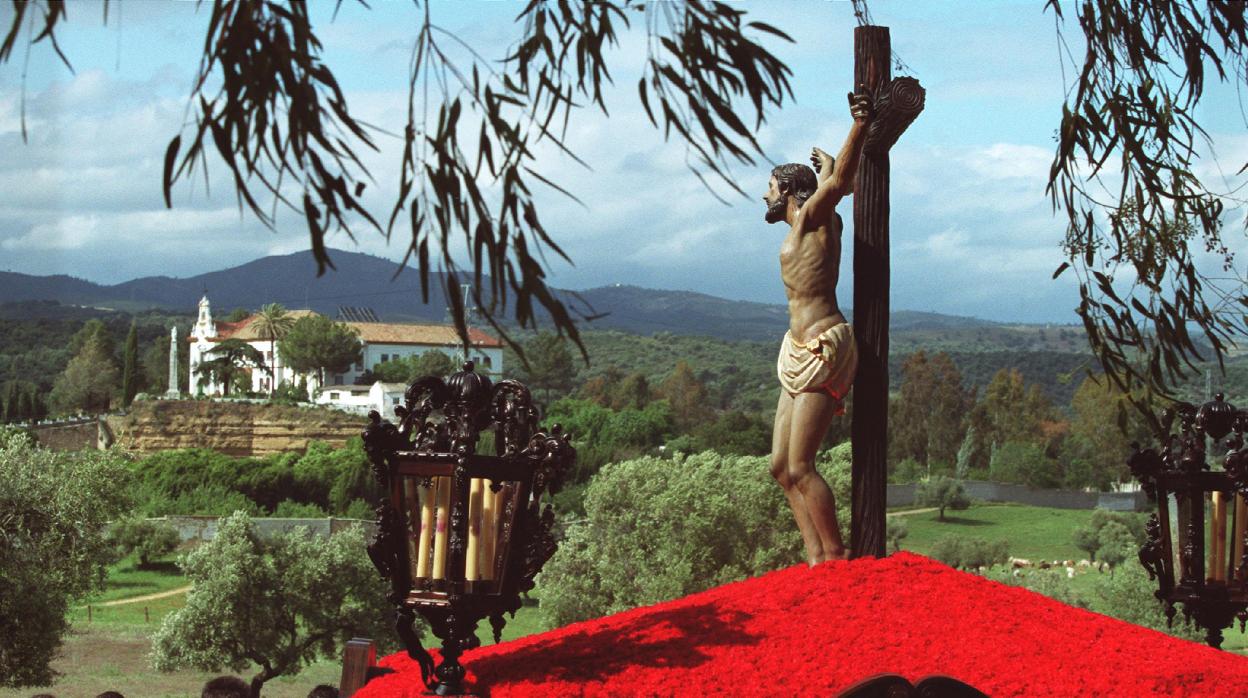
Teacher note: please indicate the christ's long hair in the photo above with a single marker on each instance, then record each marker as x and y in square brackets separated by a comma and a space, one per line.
[798, 179]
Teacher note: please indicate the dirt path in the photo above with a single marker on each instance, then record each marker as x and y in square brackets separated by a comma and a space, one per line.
[912, 511]
[145, 597]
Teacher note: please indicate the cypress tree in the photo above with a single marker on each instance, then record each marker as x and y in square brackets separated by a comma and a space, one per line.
[130, 373]
[26, 406]
[10, 402]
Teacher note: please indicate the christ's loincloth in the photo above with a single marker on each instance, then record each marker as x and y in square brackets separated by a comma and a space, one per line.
[825, 363]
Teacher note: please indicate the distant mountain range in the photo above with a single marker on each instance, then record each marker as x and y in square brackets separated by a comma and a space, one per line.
[363, 280]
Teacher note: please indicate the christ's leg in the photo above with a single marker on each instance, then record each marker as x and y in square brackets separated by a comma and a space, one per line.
[812, 413]
[780, 471]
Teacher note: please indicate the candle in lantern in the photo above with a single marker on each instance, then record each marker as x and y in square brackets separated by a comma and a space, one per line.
[428, 503]
[411, 498]
[1217, 538]
[1241, 512]
[488, 529]
[440, 527]
[471, 563]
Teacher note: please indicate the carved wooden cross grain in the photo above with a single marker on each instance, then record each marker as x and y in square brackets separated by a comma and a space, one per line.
[897, 103]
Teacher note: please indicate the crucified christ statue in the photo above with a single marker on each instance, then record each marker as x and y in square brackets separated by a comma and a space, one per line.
[819, 356]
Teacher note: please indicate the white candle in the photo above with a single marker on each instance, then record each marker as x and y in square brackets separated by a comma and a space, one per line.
[471, 563]
[428, 503]
[439, 532]
[488, 529]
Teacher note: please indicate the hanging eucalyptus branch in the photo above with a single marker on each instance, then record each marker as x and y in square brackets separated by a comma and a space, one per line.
[271, 109]
[1134, 107]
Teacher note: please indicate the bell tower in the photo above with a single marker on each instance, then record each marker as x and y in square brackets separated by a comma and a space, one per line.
[205, 328]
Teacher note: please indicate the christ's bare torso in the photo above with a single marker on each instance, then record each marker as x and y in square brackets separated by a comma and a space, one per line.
[810, 260]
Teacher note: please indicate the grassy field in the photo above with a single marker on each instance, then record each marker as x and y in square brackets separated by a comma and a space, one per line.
[108, 648]
[1032, 533]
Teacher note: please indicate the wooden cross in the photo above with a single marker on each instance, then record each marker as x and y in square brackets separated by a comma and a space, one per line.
[897, 103]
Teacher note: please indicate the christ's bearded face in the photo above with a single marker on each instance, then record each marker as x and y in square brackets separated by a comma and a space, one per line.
[776, 202]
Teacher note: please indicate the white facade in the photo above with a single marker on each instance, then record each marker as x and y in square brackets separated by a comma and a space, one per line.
[348, 398]
[382, 342]
[384, 397]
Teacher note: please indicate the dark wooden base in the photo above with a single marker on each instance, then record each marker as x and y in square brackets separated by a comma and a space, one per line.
[897, 686]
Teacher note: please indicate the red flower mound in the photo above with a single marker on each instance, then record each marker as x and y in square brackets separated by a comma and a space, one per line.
[803, 631]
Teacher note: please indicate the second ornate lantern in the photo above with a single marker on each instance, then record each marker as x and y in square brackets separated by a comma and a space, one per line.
[462, 535]
[1197, 538]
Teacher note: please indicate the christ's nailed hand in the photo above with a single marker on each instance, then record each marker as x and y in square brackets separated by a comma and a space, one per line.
[860, 106]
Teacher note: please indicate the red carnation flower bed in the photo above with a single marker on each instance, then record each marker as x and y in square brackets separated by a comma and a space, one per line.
[803, 631]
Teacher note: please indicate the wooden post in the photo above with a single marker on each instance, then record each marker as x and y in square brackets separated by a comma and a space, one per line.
[897, 103]
[359, 656]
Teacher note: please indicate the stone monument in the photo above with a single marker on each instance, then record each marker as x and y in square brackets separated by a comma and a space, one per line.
[172, 392]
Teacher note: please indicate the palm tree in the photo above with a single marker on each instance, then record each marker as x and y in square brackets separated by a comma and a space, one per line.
[273, 322]
[234, 356]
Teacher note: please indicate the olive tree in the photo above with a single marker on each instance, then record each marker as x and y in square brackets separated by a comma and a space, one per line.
[53, 510]
[278, 605]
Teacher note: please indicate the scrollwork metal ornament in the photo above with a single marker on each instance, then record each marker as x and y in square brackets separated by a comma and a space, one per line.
[1178, 473]
[440, 422]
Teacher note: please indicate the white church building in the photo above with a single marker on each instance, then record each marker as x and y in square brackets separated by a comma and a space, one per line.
[382, 342]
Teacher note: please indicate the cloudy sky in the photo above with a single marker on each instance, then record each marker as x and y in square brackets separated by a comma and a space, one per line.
[972, 230]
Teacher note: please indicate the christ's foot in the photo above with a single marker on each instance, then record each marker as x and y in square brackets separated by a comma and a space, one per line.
[839, 554]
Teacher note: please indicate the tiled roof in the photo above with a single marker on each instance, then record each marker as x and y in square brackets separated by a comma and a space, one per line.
[370, 332]
[387, 333]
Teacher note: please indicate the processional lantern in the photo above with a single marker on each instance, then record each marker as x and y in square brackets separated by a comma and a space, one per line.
[1196, 538]
[460, 535]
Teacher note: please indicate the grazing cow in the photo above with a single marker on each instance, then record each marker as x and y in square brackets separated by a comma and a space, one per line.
[1018, 562]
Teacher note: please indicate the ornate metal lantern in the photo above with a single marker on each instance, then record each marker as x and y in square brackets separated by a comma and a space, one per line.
[1196, 540]
[462, 535]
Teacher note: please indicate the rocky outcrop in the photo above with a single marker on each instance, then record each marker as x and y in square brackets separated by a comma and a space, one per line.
[233, 428]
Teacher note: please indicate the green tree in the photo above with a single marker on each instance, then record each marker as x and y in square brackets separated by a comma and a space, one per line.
[943, 493]
[272, 323]
[147, 540]
[603, 388]
[130, 371]
[697, 534]
[238, 315]
[550, 368]
[927, 423]
[316, 343]
[737, 433]
[1012, 412]
[687, 396]
[295, 599]
[1101, 433]
[88, 382]
[12, 399]
[634, 391]
[967, 452]
[409, 368]
[95, 332]
[1116, 545]
[52, 548]
[233, 362]
[1024, 463]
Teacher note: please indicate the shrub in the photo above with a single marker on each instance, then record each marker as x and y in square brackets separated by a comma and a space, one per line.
[148, 540]
[908, 470]
[969, 553]
[289, 509]
[1050, 583]
[896, 531]
[1088, 538]
[658, 529]
[943, 493]
[1129, 597]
